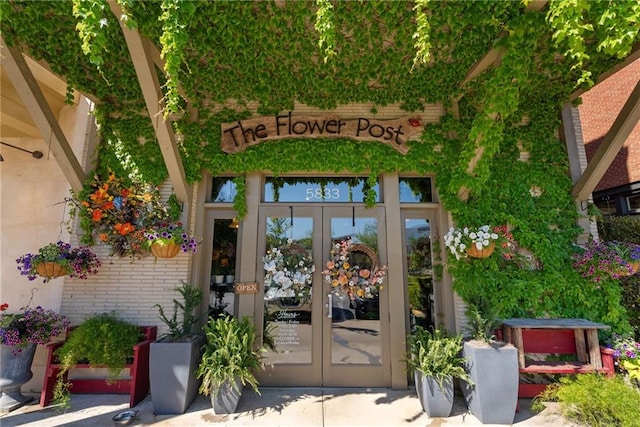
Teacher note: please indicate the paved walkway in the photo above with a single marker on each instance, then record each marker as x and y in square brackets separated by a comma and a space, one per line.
[283, 407]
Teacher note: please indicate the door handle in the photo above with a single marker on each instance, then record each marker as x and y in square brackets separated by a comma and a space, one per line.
[330, 305]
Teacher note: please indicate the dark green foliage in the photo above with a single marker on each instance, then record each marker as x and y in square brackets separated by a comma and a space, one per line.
[230, 351]
[436, 355]
[100, 340]
[595, 401]
[183, 321]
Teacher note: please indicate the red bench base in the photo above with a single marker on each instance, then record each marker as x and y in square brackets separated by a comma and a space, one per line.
[136, 385]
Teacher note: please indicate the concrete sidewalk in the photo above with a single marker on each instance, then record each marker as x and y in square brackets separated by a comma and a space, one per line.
[295, 407]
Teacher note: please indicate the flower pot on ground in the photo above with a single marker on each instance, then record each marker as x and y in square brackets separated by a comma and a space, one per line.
[174, 357]
[19, 335]
[166, 240]
[102, 340]
[59, 259]
[493, 369]
[231, 356]
[435, 360]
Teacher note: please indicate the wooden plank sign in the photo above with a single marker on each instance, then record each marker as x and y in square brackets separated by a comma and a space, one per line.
[241, 134]
[245, 288]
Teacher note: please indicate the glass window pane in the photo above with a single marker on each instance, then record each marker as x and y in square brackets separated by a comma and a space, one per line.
[288, 283]
[317, 189]
[223, 268]
[415, 190]
[355, 324]
[223, 190]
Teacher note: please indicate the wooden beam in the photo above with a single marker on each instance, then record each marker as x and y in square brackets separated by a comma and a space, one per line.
[495, 55]
[153, 97]
[633, 55]
[613, 141]
[27, 88]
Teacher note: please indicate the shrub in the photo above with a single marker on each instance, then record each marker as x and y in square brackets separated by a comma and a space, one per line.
[594, 400]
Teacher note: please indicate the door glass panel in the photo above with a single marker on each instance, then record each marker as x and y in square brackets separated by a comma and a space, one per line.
[289, 268]
[223, 268]
[419, 272]
[355, 321]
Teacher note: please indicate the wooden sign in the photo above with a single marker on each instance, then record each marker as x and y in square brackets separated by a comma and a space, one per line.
[245, 288]
[239, 135]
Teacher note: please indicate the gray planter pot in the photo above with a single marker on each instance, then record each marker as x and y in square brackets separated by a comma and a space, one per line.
[494, 371]
[225, 399]
[436, 401]
[15, 370]
[172, 374]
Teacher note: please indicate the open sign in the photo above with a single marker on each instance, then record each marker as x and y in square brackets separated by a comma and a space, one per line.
[245, 288]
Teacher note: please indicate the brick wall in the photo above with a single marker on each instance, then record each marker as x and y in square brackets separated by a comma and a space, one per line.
[599, 109]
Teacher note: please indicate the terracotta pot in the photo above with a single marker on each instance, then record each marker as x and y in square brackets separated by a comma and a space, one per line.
[623, 271]
[473, 252]
[165, 251]
[50, 269]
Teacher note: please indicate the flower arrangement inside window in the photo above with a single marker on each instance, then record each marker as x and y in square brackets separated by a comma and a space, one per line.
[167, 239]
[117, 211]
[602, 260]
[30, 326]
[59, 259]
[357, 281]
[289, 272]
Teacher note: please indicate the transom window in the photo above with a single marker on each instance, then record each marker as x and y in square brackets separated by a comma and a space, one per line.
[317, 189]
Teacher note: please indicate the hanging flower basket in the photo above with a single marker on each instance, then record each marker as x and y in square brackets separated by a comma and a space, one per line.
[168, 250]
[474, 252]
[50, 269]
[630, 271]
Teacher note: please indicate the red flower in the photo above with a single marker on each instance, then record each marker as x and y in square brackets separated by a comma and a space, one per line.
[414, 123]
[4, 306]
[97, 215]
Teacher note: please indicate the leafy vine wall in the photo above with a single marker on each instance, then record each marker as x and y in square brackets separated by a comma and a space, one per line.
[324, 54]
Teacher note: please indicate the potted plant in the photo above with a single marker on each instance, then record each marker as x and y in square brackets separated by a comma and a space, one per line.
[231, 355]
[474, 242]
[20, 333]
[100, 340]
[601, 260]
[435, 360]
[174, 356]
[626, 353]
[167, 239]
[493, 369]
[59, 259]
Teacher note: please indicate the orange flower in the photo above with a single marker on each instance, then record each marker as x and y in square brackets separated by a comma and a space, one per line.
[85, 204]
[342, 279]
[360, 292]
[112, 177]
[346, 266]
[334, 282]
[330, 265]
[124, 229]
[103, 237]
[97, 215]
[365, 273]
[125, 192]
[107, 206]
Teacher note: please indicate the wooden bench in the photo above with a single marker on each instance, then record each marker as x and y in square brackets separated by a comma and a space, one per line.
[136, 385]
[561, 337]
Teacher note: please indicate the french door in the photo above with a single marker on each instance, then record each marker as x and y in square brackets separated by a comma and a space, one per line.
[323, 333]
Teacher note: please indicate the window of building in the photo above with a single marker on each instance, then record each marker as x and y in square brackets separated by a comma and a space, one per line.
[416, 190]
